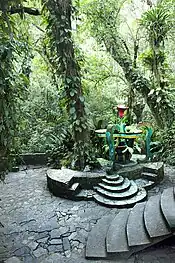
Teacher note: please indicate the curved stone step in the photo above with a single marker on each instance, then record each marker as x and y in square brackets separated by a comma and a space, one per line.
[123, 195]
[145, 183]
[149, 176]
[119, 181]
[168, 206]
[112, 177]
[116, 239]
[149, 185]
[84, 194]
[96, 246]
[136, 231]
[141, 195]
[117, 188]
[153, 217]
[74, 188]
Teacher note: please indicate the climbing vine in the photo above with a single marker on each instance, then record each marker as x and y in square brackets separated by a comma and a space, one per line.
[60, 51]
[14, 73]
[7, 90]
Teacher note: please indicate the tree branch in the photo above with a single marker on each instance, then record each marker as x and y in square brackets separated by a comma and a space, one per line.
[38, 27]
[28, 10]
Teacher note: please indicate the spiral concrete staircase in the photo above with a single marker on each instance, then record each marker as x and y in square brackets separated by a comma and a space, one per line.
[133, 229]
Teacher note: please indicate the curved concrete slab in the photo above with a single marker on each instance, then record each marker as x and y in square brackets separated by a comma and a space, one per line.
[136, 231]
[96, 246]
[154, 219]
[168, 206]
[116, 239]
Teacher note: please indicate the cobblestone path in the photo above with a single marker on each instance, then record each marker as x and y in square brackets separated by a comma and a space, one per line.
[37, 227]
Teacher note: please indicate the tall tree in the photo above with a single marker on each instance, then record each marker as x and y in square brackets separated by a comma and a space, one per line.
[11, 79]
[104, 19]
[61, 53]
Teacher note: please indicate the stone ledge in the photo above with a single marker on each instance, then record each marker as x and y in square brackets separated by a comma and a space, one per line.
[155, 168]
[134, 172]
[31, 158]
[60, 181]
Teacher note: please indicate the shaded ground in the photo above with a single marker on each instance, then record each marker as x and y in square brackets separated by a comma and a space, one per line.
[38, 227]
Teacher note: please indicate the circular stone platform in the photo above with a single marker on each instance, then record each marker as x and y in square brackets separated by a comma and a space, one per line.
[122, 189]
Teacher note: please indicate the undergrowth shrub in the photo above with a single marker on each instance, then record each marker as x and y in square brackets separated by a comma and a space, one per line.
[168, 141]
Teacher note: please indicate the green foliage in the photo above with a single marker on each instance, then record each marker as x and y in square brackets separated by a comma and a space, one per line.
[104, 20]
[167, 138]
[61, 54]
[148, 58]
[60, 152]
[41, 116]
[12, 80]
[157, 23]
[49, 107]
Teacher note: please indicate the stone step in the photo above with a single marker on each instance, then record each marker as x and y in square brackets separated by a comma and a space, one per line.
[154, 241]
[112, 177]
[118, 188]
[74, 189]
[168, 206]
[155, 168]
[122, 195]
[145, 183]
[74, 186]
[128, 202]
[149, 176]
[136, 231]
[119, 181]
[85, 194]
[126, 233]
[116, 239]
[153, 217]
[96, 245]
[149, 185]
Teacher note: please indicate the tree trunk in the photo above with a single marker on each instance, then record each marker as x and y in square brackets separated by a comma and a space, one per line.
[67, 67]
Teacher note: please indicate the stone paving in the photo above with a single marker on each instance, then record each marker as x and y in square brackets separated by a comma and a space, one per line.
[37, 227]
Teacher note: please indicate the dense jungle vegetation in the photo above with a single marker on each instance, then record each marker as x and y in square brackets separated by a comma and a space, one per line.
[64, 64]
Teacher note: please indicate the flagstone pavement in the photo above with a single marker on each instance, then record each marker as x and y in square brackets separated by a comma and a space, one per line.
[36, 226]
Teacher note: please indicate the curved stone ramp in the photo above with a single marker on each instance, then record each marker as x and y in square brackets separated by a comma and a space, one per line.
[116, 238]
[136, 232]
[168, 206]
[96, 247]
[150, 218]
[135, 229]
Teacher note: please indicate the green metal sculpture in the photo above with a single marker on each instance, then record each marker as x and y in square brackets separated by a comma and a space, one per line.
[149, 132]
